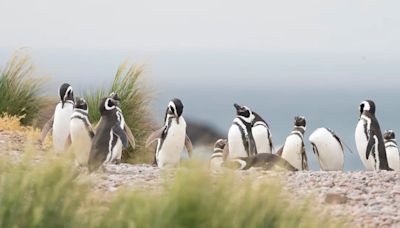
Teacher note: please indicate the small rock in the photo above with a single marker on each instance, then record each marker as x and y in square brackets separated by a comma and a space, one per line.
[335, 198]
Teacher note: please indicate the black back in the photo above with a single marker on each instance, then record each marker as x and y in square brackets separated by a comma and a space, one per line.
[375, 130]
[100, 142]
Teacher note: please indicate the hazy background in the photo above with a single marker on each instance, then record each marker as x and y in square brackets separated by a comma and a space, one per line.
[281, 58]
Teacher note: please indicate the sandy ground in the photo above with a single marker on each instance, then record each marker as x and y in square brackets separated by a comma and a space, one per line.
[369, 199]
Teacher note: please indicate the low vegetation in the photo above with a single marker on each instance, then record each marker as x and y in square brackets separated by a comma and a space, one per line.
[51, 193]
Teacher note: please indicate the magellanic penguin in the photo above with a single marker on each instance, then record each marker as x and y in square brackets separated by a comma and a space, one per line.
[124, 126]
[171, 138]
[392, 151]
[262, 135]
[293, 150]
[264, 161]
[369, 139]
[240, 137]
[328, 149]
[60, 121]
[103, 149]
[217, 158]
[81, 132]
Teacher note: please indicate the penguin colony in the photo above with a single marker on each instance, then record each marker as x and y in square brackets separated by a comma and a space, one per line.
[248, 145]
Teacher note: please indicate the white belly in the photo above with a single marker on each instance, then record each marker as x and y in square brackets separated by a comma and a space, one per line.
[170, 152]
[393, 157]
[331, 155]
[292, 151]
[81, 141]
[216, 163]
[361, 143]
[261, 137]
[235, 143]
[62, 117]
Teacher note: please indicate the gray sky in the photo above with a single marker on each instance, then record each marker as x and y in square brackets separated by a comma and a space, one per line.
[359, 26]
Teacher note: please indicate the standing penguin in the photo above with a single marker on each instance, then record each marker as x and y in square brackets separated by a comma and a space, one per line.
[328, 149]
[392, 151]
[172, 137]
[60, 121]
[217, 158]
[240, 137]
[81, 132]
[369, 139]
[103, 149]
[293, 150]
[124, 126]
[262, 135]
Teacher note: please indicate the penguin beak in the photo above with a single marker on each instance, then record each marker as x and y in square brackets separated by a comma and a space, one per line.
[238, 107]
[63, 102]
[177, 119]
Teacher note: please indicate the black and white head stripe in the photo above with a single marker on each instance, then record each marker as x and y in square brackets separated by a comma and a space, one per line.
[81, 105]
[390, 138]
[110, 104]
[175, 107]
[244, 113]
[66, 92]
[368, 106]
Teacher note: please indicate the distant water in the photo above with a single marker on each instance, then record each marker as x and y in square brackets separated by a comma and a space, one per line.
[325, 89]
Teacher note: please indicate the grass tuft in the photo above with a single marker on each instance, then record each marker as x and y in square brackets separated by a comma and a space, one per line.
[135, 102]
[19, 89]
[50, 193]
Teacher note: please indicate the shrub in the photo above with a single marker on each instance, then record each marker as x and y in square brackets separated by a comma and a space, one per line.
[19, 89]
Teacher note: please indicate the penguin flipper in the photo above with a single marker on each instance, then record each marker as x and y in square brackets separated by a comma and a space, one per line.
[280, 151]
[130, 136]
[117, 130]
[371, 144]
[304, 158]
[225, 153]
[46, 128]
[188, 145]
[154, 136]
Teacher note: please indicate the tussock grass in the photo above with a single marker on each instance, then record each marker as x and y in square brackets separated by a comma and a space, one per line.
[51, 194]
[135, 100]
[19, 89]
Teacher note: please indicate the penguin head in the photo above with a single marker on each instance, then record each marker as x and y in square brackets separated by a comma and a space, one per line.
[175, 109]
[107, 105]
[66, 93]
[244, 113]
[220, 144]
[300, 121]
[389, 135]
[81, 104]
[367, 106]
[117, 99]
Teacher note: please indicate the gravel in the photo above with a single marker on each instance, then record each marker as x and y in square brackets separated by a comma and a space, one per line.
[366, 198]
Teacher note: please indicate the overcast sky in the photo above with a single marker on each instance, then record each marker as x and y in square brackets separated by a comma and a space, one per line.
[361, 26]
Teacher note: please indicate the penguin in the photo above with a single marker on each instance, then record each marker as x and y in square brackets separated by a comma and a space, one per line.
[328, 149]
[240, 137]
[392, 151]
[124, 126]
[264, 161]
[217, 158]
[369, 139]
[60, 121]
[103, 149]
[81, 132]
[171, 138]
[262, 135]
[293, 150]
